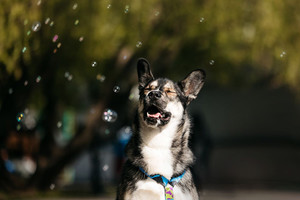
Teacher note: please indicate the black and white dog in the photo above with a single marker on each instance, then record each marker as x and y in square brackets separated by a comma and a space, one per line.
[159, 157]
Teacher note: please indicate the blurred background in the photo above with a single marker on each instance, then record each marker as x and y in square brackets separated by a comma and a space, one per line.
[68, 92]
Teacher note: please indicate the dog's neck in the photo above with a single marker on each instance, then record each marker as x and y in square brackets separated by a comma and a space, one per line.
[161, 147]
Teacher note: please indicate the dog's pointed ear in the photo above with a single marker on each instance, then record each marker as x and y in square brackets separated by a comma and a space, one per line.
[192, 84]
[144, 72]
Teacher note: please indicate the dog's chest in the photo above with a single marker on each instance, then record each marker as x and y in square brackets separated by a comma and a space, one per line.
[156, 152]
[158, 161]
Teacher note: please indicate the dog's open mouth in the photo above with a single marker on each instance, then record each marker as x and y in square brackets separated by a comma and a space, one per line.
[153, 114]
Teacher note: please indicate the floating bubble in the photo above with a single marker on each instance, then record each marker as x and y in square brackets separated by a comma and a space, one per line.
[52, 186]
[126, 10]
[201, 19]
[55, 38]
[18, 127]
[39, 2]
[116, 89]
[81, 39]
[108, 6]
[51, 23]
[10, 91]
[28, 33]
[26, 111]
[94, 64]
[109, 115]
[59, 124]
[25, 83]
[47, 20]
[107, 131]
[105, 167]
[282, 54]
[76, 22]
[29, 121]
[36, 26]
[58, 45]
[75, 6]
[211, 62]
[20, 116]
[70, 77]
[139, 44]
[38, 79]
[67, 74]
[100, 77]
[24, 49]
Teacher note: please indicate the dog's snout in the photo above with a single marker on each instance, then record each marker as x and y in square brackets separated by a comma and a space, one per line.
[154, 94]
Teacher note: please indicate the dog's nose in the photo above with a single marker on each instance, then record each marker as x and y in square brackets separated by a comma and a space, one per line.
[154, 94]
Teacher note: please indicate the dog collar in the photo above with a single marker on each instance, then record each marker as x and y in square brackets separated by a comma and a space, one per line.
[169, 194]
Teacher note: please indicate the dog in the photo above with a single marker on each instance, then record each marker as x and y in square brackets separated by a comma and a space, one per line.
[159, 157]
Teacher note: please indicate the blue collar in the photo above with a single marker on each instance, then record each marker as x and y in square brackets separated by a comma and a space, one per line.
[163, 180]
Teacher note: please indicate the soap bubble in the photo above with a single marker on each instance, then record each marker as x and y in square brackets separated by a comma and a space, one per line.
[67, 74]
[116, 89]
[76, 22]
[38, 79]
[70, 77]
[55, 38]
[139, 44]
[52, 186]
[24, 49]
[75, 6]
[81, 39]
[100, 77]
[59, 124]
[107, 131]
[20, 116]
[18, 127]
[211, 62]
[105, 167]
[36, 26]
[126, 10]
[94, 64]
[109, 115]
[202, 19]
[282, 54]
[47, 20]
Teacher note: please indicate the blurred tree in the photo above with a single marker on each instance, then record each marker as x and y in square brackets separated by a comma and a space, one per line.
[47, 49]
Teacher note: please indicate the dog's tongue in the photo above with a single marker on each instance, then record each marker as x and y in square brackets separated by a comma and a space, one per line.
[156, 115]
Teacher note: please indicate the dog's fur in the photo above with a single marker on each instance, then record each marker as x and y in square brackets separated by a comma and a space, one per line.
[159, 143]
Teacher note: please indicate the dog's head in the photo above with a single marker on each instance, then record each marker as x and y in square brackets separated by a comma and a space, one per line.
[162, 100]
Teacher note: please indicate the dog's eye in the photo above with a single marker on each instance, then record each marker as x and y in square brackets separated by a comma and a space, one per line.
[147, 88]
[170, 91]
